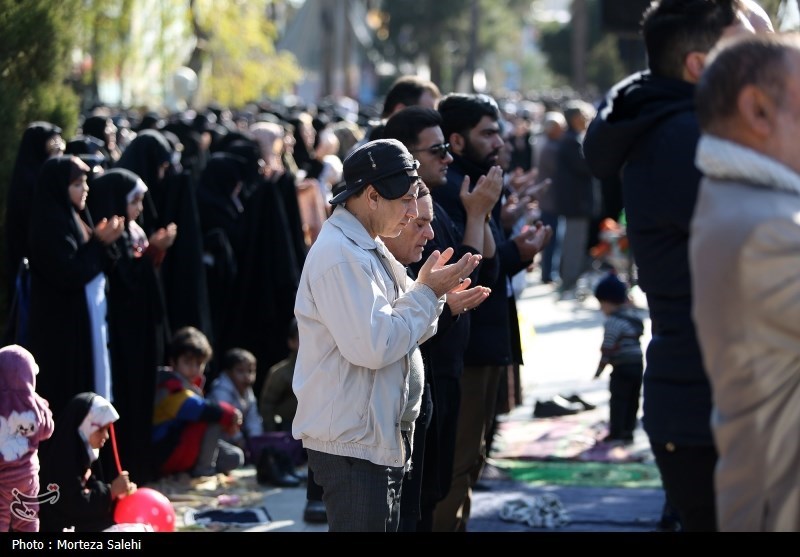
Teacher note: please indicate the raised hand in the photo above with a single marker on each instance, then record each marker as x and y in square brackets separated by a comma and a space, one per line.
[484, 195]
[109, 230]
[163, 238]
[460, 300]
[532, 240]
[441, 277]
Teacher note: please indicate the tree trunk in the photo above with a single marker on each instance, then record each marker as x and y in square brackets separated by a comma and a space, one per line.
[580, 29]
[199, 53]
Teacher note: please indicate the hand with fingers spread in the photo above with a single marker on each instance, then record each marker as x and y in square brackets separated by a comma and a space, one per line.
[441, 277]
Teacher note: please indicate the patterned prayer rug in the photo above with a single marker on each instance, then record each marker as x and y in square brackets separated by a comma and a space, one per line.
[576, 437]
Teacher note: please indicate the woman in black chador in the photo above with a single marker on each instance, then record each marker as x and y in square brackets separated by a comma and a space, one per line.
[137, 318]
[69, 260]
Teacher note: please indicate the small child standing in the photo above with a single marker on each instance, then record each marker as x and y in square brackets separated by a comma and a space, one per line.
[187, 427]
[622, 349]
[25, 420]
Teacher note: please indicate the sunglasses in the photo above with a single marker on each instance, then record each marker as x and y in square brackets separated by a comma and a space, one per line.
[414, 180]
[441, 150]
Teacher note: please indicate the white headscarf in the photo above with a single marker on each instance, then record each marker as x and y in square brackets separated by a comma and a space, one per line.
[139, 189]
[100, 414]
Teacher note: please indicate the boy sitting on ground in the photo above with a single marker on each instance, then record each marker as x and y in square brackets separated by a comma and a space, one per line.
[187, 427]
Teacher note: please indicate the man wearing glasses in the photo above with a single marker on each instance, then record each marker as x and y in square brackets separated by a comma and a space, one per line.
[360, 320]
[419, 129]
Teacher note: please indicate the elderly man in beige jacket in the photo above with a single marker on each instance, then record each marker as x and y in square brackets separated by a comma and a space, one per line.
[745, 259]
[358, 376]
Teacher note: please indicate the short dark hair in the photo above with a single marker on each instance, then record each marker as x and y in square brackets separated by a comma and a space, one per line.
[759, 60]
[406, 124]
[407, 90]
[461, 112]
[235, 356]
[190, 341]
[674, 28]
[423, 191]
[575, 107]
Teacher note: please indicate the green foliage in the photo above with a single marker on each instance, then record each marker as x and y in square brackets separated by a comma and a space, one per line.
[604, 65]
[438, 33]
[555, 44]
[244, 63]
[106, 28]
[35, 42]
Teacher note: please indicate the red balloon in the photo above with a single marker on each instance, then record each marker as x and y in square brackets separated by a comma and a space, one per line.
[146, 506]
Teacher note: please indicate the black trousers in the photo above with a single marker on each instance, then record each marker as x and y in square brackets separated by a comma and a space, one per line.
[359, 496]
[687, 473]
[625, 387]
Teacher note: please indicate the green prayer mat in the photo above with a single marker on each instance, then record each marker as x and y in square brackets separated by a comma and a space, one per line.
[588, 474]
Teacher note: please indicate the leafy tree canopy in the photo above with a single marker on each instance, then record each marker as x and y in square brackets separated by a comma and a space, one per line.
[244, 64]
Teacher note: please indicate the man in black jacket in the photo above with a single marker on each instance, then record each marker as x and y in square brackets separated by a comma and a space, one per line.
[419, 129]
[471, 125]
[647, 131]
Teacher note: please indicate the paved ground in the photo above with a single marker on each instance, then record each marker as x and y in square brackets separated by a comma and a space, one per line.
[561, 341]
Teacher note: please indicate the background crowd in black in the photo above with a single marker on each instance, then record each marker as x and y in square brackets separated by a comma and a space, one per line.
[248, 200]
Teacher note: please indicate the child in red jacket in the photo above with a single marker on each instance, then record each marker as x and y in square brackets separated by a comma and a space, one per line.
[187, 427]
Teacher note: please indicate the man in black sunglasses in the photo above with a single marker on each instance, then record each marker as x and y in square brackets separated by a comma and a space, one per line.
[419, 129]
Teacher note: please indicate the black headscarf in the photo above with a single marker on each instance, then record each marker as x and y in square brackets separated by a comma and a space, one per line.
[223, 172]
[31, 155]
[108, 193]
[52, 204]
[95, 126]
[144, 156]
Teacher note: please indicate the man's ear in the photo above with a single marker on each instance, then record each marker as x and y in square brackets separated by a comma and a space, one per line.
[693, 66]
[372, 196]
[457, 143]
[757, 110]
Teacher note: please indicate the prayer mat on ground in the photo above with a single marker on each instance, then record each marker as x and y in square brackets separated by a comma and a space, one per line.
[586, 474]
[575, 437]
[245, 517]
[589, 509]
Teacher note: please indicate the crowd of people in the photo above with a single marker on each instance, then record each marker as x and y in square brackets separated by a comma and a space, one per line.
[194, 281]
